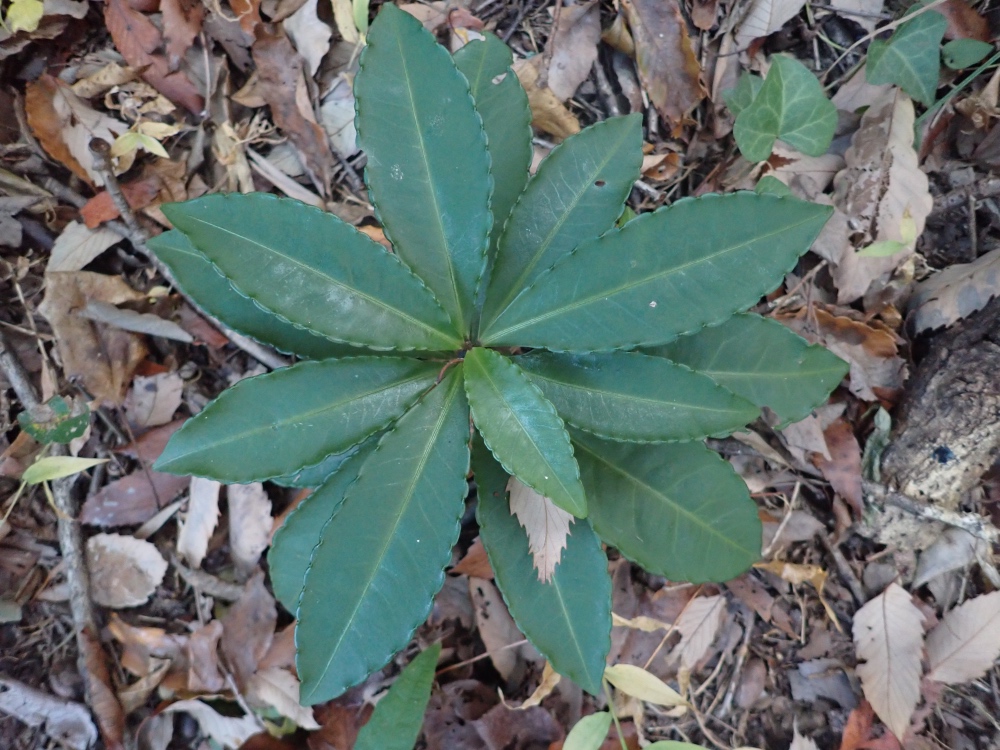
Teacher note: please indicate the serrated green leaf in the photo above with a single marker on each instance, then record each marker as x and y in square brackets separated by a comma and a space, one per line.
[314, 270]
[664, 273]
[313, 476]
[382, 557]
[964, 53]
[676, 509]
[636, 397]
[274, 424]
[771, 185]
[428, 168]
[398, 717]
[56, 421]
[576, 195]
[910, 58]
[503, 105]
[745, 91]
[295, 541]
[522, 429]
[790, 106]
[567, 619]
[762, 361]
[589, 732]
[56, 467]
[199, 278]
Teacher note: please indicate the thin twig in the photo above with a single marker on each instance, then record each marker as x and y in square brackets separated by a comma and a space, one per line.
[977, 525]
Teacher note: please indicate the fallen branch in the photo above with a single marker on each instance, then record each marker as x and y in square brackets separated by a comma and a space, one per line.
[979, 527]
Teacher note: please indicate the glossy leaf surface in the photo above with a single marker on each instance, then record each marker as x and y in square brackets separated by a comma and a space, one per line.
[274, 424]
[576, 195]
[503, 105]
[382, 556]
[632, 396]
[395, 724]
[294, 543]
[763, 361]
[665, 273]
[911, 57]
[313, 476]
[567, 619]
[200, 279]
[522, 429]
[428, 169]
[678, 510]
[314, 270]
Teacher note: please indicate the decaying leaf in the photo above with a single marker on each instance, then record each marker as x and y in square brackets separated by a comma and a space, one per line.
[310, 35]
[248, 629]
[181, 26]
[67, 723]
[574, 47]
[124, 571]
[250, 524]
[955, 549]
[842, 467]
[200, 520]
[966, 642]
[133, 499]
[279, 688]
[78, 245]
[153, 399]
[496, 627]
[548, 113]
[889, 637]
[955, 292]
[138, 194]
[698, 625]
[229, 731]
[763, 18]
[639, 683]
[546, 525]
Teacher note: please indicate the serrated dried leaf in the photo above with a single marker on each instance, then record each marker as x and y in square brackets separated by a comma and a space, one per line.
[966, 642]
[546, 525]
[124, 571]
[199, 521]
[889, 637]
[698, 625]
[250, 524]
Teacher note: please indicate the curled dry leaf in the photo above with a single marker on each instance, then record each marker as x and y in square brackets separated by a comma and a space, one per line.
[966, 642]
[548, 113]
[574, 48]
[200, 520]
[698, 625]
[889, 637]
[546, 525]
[124, 571]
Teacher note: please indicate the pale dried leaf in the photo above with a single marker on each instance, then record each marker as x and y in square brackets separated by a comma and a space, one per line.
[698, 625]
[889, 638]
[124, 571]
[279, 688]
[550, 678]
[78, 245]
[547, 112]
[310, 35]
[954, 550]
[248, 629]
[966, 642]
[67, 723]
[764, 17]
[153, 399]
[574, 48]
[228, 731]
[199, 521]
[546, 525]
[955, 292]
[640, 622]
[496, 627]
[337, 117]
[639, 683]
[343, 16]
[130, 320]
[249, 524]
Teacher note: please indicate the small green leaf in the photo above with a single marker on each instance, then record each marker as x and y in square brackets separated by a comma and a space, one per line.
[295, 541]
[56, 467]
[56, 421]
[274, 424]
[635, 397]
[664, 273]
[910, 58]
[428, 168]
[382, 557]
[314, 270]
[676, 509]
[576, 195]
[589, 732]
[360, 12]
[742, 96]
[199, 278]
[790, 106]
[567, 619]
[398, 717]
[762, 361]
[522, 429]
[964, 53]
[771, 185]
[503, 105]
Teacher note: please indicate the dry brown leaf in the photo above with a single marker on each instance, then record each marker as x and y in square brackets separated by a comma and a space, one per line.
[131, 500]
[248, 629]
[843, 467]
[966, 642]
[496, 627]
[640, 622]
[250, 525]
[138, 193]
[704, 13]
[889, 638]
[228, 731]
[279, 689]
[475, 563]
[698, 625]
[764, 17]
[101, 698]
[199, 521]
[309, 34]
[574, 47]
[181, 25]
[202, 673]
[547, 112]
[153, 399]
[955, 292]
[124, 571]
[668, 68]
[963, 21]
[78, 245]
[67, 723]
[546, 525]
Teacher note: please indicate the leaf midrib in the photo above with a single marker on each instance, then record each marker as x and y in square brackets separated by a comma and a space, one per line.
[569, 619]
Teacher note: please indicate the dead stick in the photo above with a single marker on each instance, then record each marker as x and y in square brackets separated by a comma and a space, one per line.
[978, 526]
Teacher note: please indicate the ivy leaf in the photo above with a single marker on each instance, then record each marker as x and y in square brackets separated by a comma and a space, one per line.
[762, 361]
[382, 557]
[298, 537]
[546, 524]
[567, 619]
[428, 169]
[791, 106]
[395, 724]
[742, 95]
[522, 429]
[314, 270]
[665, 273]
[678, 509]
[273, 424]
[910, 58]
[503, 105]
[576, 195]
[635, 397]
[964, 53]
[197, 277]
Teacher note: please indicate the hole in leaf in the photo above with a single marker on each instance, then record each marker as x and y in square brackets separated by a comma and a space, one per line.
[600, 183]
